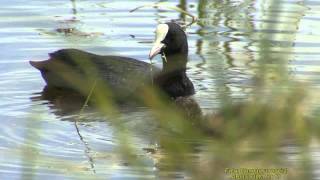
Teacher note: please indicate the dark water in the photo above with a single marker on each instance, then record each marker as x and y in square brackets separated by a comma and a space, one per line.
[39, 139]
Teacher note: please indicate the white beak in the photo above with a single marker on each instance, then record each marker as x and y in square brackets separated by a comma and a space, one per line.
[155, 50]
[161, 33]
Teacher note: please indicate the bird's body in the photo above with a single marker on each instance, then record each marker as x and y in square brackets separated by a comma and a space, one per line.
[122, 75]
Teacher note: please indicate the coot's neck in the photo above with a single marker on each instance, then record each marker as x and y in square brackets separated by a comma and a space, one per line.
[173, 79]
[174, 63]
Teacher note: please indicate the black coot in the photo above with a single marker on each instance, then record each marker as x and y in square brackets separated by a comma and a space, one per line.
[78, 70]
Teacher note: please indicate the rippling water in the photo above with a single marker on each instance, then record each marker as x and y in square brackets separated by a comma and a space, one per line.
[224, 48]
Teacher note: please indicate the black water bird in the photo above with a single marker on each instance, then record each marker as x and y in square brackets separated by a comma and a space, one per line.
[77, 70]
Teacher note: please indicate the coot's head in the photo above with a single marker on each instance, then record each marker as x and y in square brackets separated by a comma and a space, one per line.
[170, 40]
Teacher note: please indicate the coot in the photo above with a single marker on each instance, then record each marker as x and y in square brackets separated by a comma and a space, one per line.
[78, 70]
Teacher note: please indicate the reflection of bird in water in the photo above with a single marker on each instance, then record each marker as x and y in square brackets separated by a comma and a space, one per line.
[66, 104]
[63, 103]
